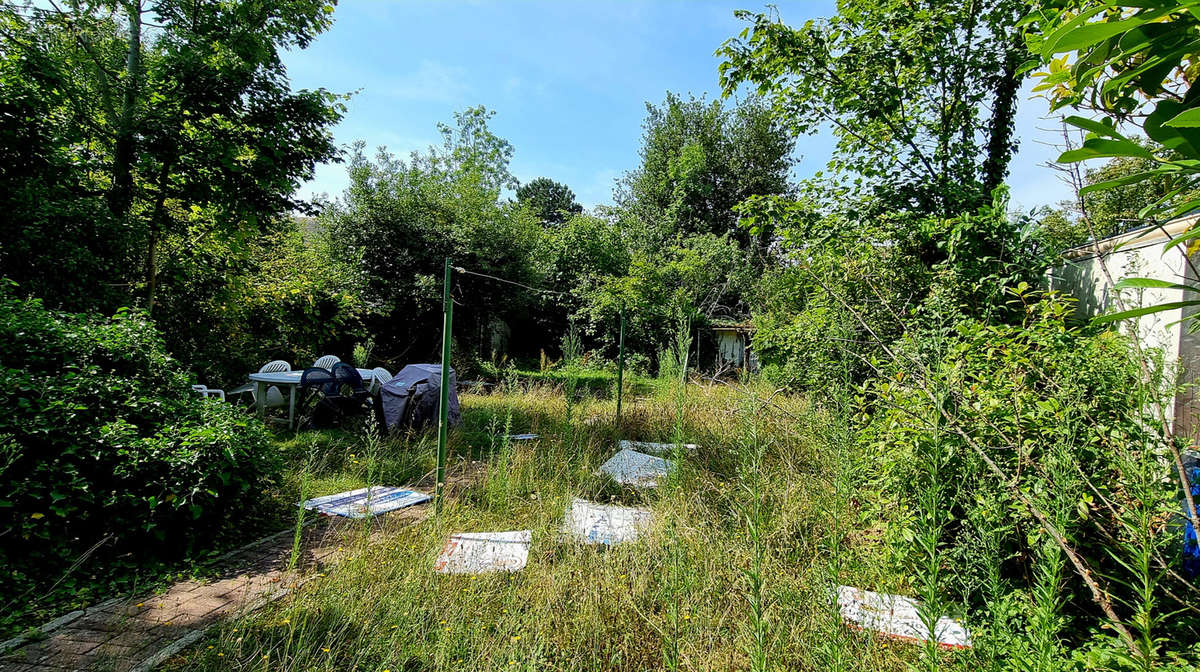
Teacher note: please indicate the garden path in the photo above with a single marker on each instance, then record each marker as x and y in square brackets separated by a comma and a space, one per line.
[138, 634]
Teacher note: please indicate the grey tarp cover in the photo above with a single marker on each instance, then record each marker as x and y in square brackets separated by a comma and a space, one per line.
[411, 397]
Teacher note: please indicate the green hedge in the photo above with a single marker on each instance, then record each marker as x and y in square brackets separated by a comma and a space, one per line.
[103, 442]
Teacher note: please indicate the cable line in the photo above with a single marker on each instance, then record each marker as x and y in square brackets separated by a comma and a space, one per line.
[464, 271]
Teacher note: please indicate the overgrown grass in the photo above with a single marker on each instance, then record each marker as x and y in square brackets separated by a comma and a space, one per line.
[734, 574]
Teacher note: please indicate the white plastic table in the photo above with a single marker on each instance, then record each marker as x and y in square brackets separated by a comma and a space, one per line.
[291, 380]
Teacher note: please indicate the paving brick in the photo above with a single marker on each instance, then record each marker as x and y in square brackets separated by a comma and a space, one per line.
[121, 635]
[85, 635]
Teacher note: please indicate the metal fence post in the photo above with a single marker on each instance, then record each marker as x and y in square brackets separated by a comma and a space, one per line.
[620, 366]
[444, 406]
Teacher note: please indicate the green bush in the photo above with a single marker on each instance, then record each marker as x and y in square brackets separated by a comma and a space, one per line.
[1064, 415]
[104, 444]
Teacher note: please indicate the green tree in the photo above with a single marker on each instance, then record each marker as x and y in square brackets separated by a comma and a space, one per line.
[398, 220]
[699, 159]
[921, 98]
[552, 202]
[176, 117]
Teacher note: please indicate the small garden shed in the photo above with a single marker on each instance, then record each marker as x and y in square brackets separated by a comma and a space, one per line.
[734, 346]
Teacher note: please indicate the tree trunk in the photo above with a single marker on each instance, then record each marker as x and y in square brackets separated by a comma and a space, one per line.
[155, 229]
[120, 193]
[1001, 145]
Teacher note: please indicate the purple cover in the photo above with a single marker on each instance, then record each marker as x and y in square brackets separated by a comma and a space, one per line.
[411, 397]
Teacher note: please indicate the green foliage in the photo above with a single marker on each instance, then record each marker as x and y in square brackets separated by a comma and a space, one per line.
[851, 290]
[922, 100]
[699, 159]
[704, 273]
[147, 147]
[552, 202]
[1061, 412]
[398, 221]
[105, 445]
[805, 334]
[1116, 208]
[293, 300]
[1129, 65]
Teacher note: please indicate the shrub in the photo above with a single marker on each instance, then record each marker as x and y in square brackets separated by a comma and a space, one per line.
[1064, 414]
[103, 442]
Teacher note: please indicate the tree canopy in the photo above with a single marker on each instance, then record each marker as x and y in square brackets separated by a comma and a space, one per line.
[921, 98]
[552, 202]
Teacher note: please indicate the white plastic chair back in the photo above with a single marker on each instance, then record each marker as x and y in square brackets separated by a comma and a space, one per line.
[274, 398]
[327, 361]
[380, 377]
[275, 367]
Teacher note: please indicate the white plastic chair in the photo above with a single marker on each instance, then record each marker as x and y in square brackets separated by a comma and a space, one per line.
[327, 361]
[209, 392]
[275, 366]
[274, 400]
[381, 376]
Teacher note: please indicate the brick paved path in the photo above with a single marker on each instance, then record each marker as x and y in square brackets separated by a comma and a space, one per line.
[137, 634]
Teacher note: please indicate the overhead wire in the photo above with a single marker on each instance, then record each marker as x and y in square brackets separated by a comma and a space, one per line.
[464, 271]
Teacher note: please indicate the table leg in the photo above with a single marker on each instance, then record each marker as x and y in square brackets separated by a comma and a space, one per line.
[291, 406]
[260, 398]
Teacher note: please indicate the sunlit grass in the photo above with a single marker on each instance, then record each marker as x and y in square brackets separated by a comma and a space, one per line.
[681, 587]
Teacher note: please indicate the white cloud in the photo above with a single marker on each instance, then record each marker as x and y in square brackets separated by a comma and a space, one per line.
[431, 81]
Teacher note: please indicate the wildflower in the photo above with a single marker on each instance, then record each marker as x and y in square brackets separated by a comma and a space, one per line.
[220, 655]
[326, 650]
[38, 516]
[512, 662]
[139, 604]
[515, 638]
[266, 656]
[210, 646]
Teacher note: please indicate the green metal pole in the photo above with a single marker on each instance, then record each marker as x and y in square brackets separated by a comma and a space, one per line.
[444, 406]
[620, 366]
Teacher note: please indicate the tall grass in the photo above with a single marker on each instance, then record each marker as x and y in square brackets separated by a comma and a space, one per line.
[729, 577]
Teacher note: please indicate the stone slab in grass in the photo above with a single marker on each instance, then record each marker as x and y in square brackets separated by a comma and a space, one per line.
[365, 502]
[639, 470]
[483, 552]
[604, 524]
[653, 448]
[896, 616]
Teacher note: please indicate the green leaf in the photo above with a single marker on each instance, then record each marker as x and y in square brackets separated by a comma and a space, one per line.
[1138, 312]
[1187, 119]
[1089, 34]
[1152, 283]
[1097, 127]
[1189, 235]
[1096, 148]
[1120, 181]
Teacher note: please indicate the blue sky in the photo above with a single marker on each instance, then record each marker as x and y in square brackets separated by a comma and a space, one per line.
[568, 82]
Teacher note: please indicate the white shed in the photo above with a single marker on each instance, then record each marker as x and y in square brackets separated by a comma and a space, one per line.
[733, 345]
[1140, 253]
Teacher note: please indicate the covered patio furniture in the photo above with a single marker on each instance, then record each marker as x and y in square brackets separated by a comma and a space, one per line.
[411, 398]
